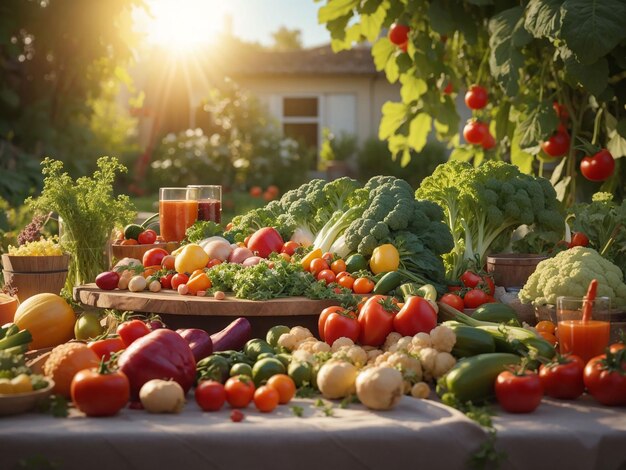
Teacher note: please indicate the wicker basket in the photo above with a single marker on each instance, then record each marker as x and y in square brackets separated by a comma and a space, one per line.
[32, 275]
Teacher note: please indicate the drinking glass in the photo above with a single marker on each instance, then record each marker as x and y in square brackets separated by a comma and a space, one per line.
[178, 210]
[209, 202]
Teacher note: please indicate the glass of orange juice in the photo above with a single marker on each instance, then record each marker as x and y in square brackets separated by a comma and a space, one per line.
[585, 339]
[178, 210]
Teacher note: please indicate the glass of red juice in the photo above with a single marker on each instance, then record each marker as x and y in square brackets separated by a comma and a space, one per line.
[585, 339]
[209, 199]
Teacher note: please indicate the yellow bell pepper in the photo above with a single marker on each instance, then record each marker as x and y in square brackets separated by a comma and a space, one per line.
[385, 258]
[190, 258]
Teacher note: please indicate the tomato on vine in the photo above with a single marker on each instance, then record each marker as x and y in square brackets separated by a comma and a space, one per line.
[598, 167]
[476, 97]
[557, 145]
[489, 142]
[399, 34]
[475, 132]
[578, 239]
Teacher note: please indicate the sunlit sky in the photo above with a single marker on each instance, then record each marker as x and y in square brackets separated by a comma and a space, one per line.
[180, 23]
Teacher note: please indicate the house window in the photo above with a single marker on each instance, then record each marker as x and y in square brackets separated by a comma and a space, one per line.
[301, 121]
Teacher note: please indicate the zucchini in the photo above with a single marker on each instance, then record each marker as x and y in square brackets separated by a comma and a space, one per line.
[472, 379]
[470, 341]
[388, 282]
[426, 291]
[496, 313]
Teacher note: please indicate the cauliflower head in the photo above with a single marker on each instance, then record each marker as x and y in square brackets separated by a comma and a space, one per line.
[569, 273]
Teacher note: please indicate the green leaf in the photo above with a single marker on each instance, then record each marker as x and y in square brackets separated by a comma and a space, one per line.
[440, 18]
[558, 171]
[372, 24]
[397, 143]
[404, 63]
[616, 133]
[394, 115]
[412, 88]
[621, 127]
[594, 77]
[561, 188]
[406, 158]
[540, 123]
[446, 117]
[591, 28]
[335, 9]
[462, 154]
[507, 37]
[523, 160]
[381, 52]
[502, 120]
[419, 130]
[392, 71]
[543, 18]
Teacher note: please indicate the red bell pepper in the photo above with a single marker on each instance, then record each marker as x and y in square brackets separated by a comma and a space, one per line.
[161, 354]
[199, 341]
[265, 241]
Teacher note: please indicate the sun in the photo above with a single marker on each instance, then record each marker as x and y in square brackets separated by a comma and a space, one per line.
[182, 25]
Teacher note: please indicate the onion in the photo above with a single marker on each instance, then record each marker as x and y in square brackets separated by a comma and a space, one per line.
[218, 249]
[239, 255]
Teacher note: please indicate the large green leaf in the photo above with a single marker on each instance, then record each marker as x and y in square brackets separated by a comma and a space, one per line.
[412, 88]
[540, 122]
[446, 117]
[543, 18]
[465, 23]
[591, 28]
[462, 154]
[419, 130]
[593, 77]
[394, 115]
[616, 132]
[371, 24]
[502, 120]
[440, 18]
[392, 71]
[508, 36]
[381, 52]
[335, 9]
[523, 160]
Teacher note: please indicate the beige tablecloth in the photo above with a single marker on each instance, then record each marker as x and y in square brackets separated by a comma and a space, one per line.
[417, 434]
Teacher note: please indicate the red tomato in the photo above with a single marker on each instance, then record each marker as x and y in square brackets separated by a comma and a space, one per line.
[265, 241]
[166, 281]
[345, 281]
[449, 89]
[256, 191]
[376, 320]
[338, 266]
[213, 262]
[476, 97]
[363, 285]
[475, 298]
[518, 393]
[236, 416]
[470, 279]
[475, 132]
[154, 257]
[488, 283]
[290, 247]
[489, 142]
[616, 347]
[321, 321]
[453, 300]
[399, 34]
[557, 145]
[326, 275]
[147, 237]
[168, 262]
[317, 266]
[132, 330]
[605, 378]
[210, 395]
[563, 377]
[266, 398]
[328, 257]
[341, 324]
[239, 391]
[100, 392]
[561, 111]
[578, 239]
[105, 347]
[179, 279]
[416, 316]
[598, 167]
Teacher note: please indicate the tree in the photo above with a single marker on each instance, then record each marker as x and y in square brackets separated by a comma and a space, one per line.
[286, 39]
[58, 59]
[528, 55]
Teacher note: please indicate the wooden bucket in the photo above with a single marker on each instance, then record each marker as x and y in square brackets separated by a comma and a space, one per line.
[32, 275]
[512, 269]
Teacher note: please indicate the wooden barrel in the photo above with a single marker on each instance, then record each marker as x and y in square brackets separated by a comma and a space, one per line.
[32, 275]
[512, 269]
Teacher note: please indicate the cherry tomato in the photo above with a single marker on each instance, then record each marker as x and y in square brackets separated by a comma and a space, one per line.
[147, 237]
[236, 416]
[256, 191]
[338, 266]
[489, 142]
[449, 89]
[321, 321]
[99, 392]
[326, 275]
[239, 391]
[605, 378]
[168, 262]
[417, 315]
[266, 398]
[131, 330]
[154, 257]
[213, 262]
[518, 393]
[549, 337]
[475, 298]
[598, 167]
[376, 320]
[166, 281]
[453, 300]
[476, 97]
[284, 385]
[318, 265]
[290, 247]
[399, 34]
[210, 395]
[345, 281]
[329, 258]
[105, 347]
[470, 279]
[563, 377]
[557, 145]
[616, 347]
[130, 241]
[342, 274]
[545, 326]
[341, 324]
[363, 285]
[578, 239]
[561, 111]
[246, 240]
[179, 279]
[475, 132]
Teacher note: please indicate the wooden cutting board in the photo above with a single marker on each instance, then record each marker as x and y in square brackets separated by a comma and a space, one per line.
[170, 302]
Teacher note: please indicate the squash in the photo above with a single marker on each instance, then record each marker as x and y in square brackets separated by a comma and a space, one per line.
[65, 361]
[8, 306]
[49, 319]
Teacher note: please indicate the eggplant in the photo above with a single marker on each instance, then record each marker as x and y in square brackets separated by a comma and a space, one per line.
[199, 341]
[234, 336]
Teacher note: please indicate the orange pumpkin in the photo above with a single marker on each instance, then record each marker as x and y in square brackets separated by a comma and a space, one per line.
[65, 361]
[8, 306]
[49, 319]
